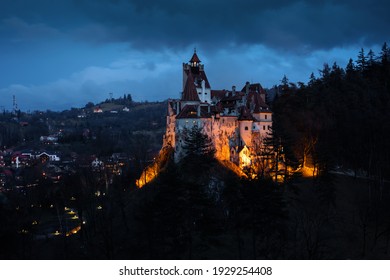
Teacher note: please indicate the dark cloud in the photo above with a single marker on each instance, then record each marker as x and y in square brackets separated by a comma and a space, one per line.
[283, 24]
[289, 25]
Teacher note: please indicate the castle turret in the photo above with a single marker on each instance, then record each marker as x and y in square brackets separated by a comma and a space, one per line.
[195, 77]
[245, 125]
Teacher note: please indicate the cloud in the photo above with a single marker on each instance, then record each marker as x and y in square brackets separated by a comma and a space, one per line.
[138, 75]
[286, 25]
[294, 25]
[19, 30]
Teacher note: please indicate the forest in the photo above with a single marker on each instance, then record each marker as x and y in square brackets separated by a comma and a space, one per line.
[340, 119]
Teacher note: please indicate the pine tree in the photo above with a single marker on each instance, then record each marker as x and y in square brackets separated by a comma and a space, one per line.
[197, 144]
[371, 58]
[350, 67]
[385, 53]
[285, 85]
[362, 61]
[325, 72]
[312, 80]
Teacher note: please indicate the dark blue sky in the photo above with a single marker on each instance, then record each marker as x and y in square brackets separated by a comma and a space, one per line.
[64, 53]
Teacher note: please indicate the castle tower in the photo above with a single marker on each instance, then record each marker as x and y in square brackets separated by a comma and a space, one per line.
[245, 126]
[193, 72]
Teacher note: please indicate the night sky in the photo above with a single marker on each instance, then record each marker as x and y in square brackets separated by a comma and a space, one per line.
[64, 53]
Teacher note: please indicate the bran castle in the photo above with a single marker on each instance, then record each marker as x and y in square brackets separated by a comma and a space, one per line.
[236, 121]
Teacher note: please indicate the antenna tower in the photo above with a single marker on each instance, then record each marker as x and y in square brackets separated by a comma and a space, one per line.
[14, 105]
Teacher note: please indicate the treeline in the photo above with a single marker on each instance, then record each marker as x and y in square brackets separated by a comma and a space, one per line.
[339, 119]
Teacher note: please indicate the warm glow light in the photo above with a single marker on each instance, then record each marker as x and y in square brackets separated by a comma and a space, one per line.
[147, 175]
[73, 231]
[99, 207]
[151, 171]
[307, 171]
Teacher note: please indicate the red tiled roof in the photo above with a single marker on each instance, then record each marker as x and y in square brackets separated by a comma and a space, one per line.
[198, 76]
[218, 94]
[232, 97]
[191, 112]
[254, 95]
[189, 93]
[195, 58]
[245, 114]
[254, 87]
[259, 104]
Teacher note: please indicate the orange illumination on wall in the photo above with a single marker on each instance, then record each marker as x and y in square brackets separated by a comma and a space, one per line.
[151, 171]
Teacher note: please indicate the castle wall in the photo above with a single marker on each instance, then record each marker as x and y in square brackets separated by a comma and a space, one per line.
[245, 127]
[224, 135]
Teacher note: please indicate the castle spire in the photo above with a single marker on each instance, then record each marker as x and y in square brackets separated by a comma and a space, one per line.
[195, 59]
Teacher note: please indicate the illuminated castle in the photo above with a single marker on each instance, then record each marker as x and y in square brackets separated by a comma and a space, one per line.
[236, 121]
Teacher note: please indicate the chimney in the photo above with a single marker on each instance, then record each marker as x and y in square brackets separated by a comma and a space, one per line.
[247, 84]
[199, 111]
[203, 89]
[177, 107]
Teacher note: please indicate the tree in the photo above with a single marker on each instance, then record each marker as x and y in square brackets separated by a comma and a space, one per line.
[197, 144]
[89, 105]
[350, 67]
[371, 58]
[362, 61]
[312, 80]
[385, 53]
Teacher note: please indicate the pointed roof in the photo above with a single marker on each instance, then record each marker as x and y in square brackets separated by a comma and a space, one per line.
[195, 57]
[245, 114]
[189, 93]
[254, 96]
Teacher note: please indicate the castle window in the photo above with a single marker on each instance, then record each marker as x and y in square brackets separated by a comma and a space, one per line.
[265, 116]
[263, 127]
[246, 128]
